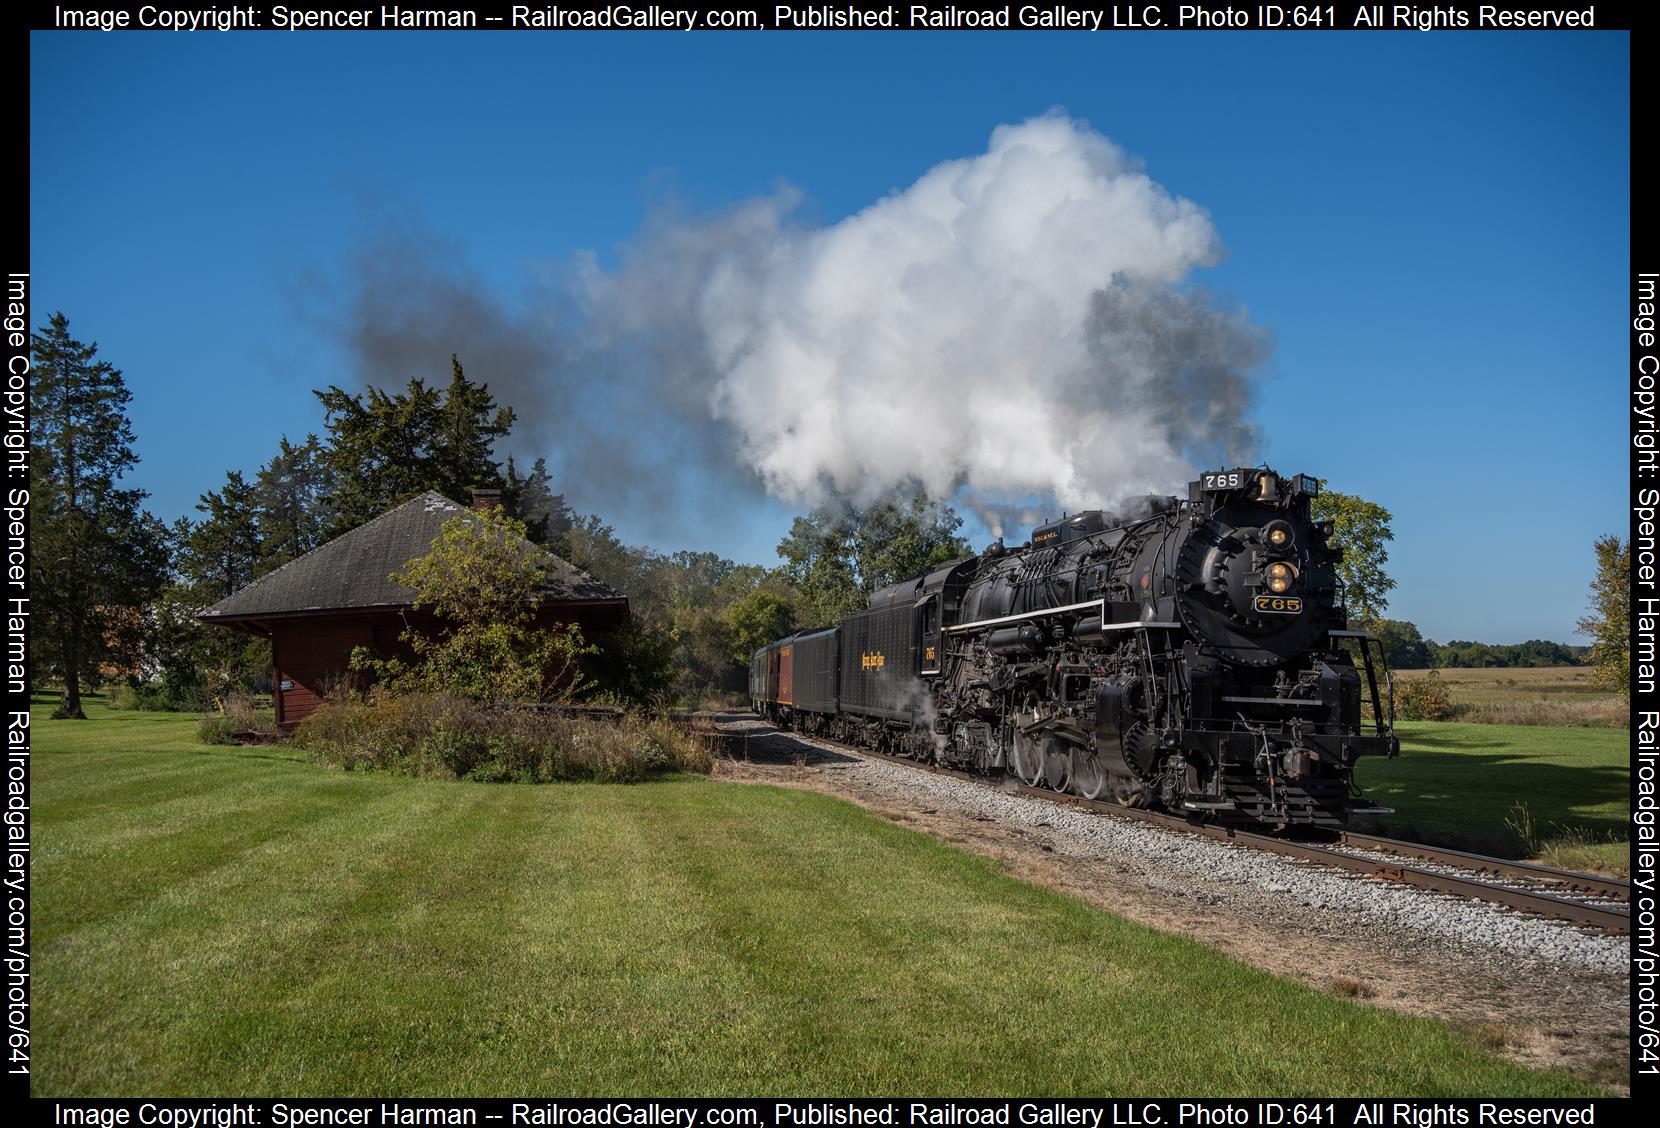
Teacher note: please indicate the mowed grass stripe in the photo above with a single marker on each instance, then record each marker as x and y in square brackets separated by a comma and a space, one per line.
[319, 934]
[89, 791]
[221, 933]
[209, 820]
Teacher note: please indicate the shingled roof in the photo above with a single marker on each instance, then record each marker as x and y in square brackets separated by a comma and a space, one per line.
[351, 571]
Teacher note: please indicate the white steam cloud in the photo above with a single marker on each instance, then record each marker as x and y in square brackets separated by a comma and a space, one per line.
[1014, 331]
[1007, 327]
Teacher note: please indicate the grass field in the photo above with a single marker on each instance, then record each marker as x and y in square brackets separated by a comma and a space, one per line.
[1553, 786]
[235, 921]
[1488, 686]
[1560, 795]
[1544, 695]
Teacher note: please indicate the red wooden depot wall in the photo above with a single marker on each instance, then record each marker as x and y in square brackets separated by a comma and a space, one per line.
[310, 655]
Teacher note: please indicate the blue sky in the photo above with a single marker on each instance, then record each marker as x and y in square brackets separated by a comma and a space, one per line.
[1433, 227]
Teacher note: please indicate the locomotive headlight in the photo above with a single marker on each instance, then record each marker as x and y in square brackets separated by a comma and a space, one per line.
[1280, 575]
[1277, 534]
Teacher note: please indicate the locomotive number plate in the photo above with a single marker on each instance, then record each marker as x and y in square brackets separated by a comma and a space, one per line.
[1279, 604]
[1227, 480]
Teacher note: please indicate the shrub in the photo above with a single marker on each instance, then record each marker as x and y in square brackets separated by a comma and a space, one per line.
[237, 715]
[216, 728]
[481, 581]
[447, 737]
[1423, 699]
[160, 697]
[360, 736]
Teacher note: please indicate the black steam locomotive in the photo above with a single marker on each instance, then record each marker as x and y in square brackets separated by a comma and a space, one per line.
[1191, 655]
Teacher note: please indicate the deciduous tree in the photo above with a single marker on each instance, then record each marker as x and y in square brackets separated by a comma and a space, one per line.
[765, 614]
[1403, 646]
[481, 581]
[1362, 531]
[836, 557]
[1609, 623]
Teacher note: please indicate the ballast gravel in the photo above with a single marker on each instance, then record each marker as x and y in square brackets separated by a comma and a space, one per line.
[1216, 873]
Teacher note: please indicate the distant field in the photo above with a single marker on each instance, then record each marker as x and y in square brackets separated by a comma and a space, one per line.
[1560, 795]
[223, 921]
[1487, 686]
[1547, 695]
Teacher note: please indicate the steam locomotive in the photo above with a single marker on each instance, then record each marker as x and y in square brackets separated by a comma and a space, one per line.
[1190, 654]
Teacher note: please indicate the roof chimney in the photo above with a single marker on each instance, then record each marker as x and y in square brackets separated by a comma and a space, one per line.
[486, 499]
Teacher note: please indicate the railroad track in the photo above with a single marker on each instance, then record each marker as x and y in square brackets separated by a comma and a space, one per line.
[1580, 898]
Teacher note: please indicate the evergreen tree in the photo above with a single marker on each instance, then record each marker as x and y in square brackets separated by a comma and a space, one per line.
[246, 530]
[531, 499]
[376, 450]
[385, 448]
[187, 662]
[221, 553]
[214, 557]
[98, 557]
[468, 425]
[290, 492]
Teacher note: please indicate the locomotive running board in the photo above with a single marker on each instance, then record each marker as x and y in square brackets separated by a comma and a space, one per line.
[1097, 605]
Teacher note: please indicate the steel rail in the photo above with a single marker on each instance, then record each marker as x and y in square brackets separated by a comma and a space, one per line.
[1589, 884]
[1609, 918]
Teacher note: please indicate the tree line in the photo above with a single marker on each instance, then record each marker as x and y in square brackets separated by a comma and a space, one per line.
[1407, 649]
[1363, 531]
[116, 592]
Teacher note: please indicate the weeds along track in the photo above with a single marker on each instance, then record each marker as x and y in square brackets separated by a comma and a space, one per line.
[1584, 899]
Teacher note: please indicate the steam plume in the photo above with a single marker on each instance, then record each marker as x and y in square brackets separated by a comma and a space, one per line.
[1008, 326]
[1011, 330]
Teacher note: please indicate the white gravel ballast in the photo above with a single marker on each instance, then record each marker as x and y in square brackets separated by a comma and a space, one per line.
[1212, 872]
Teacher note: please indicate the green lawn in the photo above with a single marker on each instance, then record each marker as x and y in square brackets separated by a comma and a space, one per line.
[1561, 794]
[236, 921]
